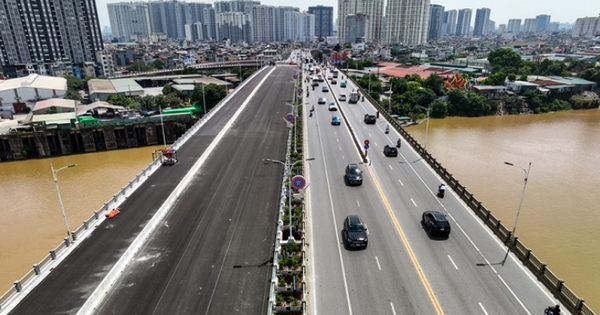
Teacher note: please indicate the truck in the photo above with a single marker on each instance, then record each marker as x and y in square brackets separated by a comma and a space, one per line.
[335, 74]
[353, 98]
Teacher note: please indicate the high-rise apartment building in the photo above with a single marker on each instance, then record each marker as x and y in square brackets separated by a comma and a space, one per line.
[542, 22]
[129, 21]
[357, 26]
[268, 22]
[586, 27]
[529, 26]
[299, 26]
[514, 26]
[48, 36]
[449, 23]
[323, 20]
[482, 20]
[407, 21]
[502, 28]
[234, 27]
[371, 8]
[436, 19]
[234, 6]
[463, 25]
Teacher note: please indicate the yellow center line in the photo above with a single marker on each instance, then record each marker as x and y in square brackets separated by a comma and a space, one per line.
[409, 250]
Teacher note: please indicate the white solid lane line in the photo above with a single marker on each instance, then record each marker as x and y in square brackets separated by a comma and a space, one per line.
[413, 201]
[378, 265]
[483, 308]
[452, 261]
[393, 309]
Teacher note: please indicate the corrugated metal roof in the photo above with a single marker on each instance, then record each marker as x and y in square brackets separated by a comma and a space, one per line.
[126, 85]
[100, 86]
[54, 117]
[35, 81]
[54, 102]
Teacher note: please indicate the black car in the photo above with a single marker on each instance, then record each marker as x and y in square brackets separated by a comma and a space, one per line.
[355, 232]
[390, 150]
[370, 119]
[353, 175]
[436, 223]
[325, 89]
[321, 100]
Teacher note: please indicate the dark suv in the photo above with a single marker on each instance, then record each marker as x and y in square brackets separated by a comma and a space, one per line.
[370, 119]
[436, 223]
[353, 175]
[355, 232]
[390, 150]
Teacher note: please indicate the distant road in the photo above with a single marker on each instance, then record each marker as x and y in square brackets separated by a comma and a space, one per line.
[226, 218]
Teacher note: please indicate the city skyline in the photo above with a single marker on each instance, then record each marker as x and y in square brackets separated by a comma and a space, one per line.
[501, 12]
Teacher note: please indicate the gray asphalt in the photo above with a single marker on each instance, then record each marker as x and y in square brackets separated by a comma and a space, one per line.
[225, 219]
[458, 275]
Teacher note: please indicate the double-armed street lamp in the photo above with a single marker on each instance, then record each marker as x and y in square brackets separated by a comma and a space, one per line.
[62, 206]
[288, 170]
[512, 234]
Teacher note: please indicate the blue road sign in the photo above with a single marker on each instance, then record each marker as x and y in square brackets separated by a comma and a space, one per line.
[298, 182]
[366, 147]
[289, 117]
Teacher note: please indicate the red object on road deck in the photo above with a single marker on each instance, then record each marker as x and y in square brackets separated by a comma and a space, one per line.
[113, 213]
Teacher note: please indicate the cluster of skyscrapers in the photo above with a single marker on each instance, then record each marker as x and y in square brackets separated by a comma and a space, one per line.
[232, 21]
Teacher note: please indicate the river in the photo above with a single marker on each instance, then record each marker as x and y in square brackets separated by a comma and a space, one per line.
[558, 218]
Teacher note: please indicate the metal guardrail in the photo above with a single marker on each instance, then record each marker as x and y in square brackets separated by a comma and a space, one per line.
[56, 255]
[555, 284]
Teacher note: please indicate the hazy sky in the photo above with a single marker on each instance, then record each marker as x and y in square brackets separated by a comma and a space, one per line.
[564, 11]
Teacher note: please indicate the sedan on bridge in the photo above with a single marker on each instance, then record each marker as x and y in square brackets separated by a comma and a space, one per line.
[355, 232]
[335, 120]
[353, 175]
[436, 223]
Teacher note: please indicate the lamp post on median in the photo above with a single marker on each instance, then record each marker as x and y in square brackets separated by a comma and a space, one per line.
[512, 235]
[203, 100]
[369, 81]
[62, 206]
[288, 172]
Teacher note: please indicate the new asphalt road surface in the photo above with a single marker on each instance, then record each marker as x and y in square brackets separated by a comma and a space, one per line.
[211, 255]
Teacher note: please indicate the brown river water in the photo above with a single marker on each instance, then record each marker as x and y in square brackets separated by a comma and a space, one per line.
[559, 219]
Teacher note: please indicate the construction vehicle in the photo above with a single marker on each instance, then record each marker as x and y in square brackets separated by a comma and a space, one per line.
[166, 156]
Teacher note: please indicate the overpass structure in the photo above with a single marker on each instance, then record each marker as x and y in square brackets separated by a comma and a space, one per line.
[213, 217]
[200, 66]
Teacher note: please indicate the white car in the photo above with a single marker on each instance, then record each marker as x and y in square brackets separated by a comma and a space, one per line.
[342, 97]
[332, 106]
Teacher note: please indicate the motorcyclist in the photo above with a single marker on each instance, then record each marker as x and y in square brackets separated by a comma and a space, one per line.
[387, 129]
[552, 310]
[398, 143]
[442, 188]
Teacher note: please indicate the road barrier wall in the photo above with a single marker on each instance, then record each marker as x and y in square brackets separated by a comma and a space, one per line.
[40, 270]
[555, 284]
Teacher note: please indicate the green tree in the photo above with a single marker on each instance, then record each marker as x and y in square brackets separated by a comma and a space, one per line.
[157, 64]
[74, 83]
[496, 78]
[435, 83]
[213, 95]
[168, 89]
[147, 103]
[439, 109]
[504, 59]
[73, 95]
[123, 100]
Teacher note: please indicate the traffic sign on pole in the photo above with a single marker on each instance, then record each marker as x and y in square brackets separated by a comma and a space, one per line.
[298, 182]
[367, 142]
[289, 117]
[366, 147]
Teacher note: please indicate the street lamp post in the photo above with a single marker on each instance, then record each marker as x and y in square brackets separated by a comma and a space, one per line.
[288, 170]
[426, 125]
[512, 234]
[62, 206]
[203, 100]
[369, 81]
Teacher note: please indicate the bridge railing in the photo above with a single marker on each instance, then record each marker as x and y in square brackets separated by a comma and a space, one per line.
[210, 65]
[56, 255]
[537, 267]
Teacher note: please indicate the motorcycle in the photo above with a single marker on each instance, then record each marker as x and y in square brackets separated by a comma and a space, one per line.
[441, 191]
[398, 144]
[552, 310]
